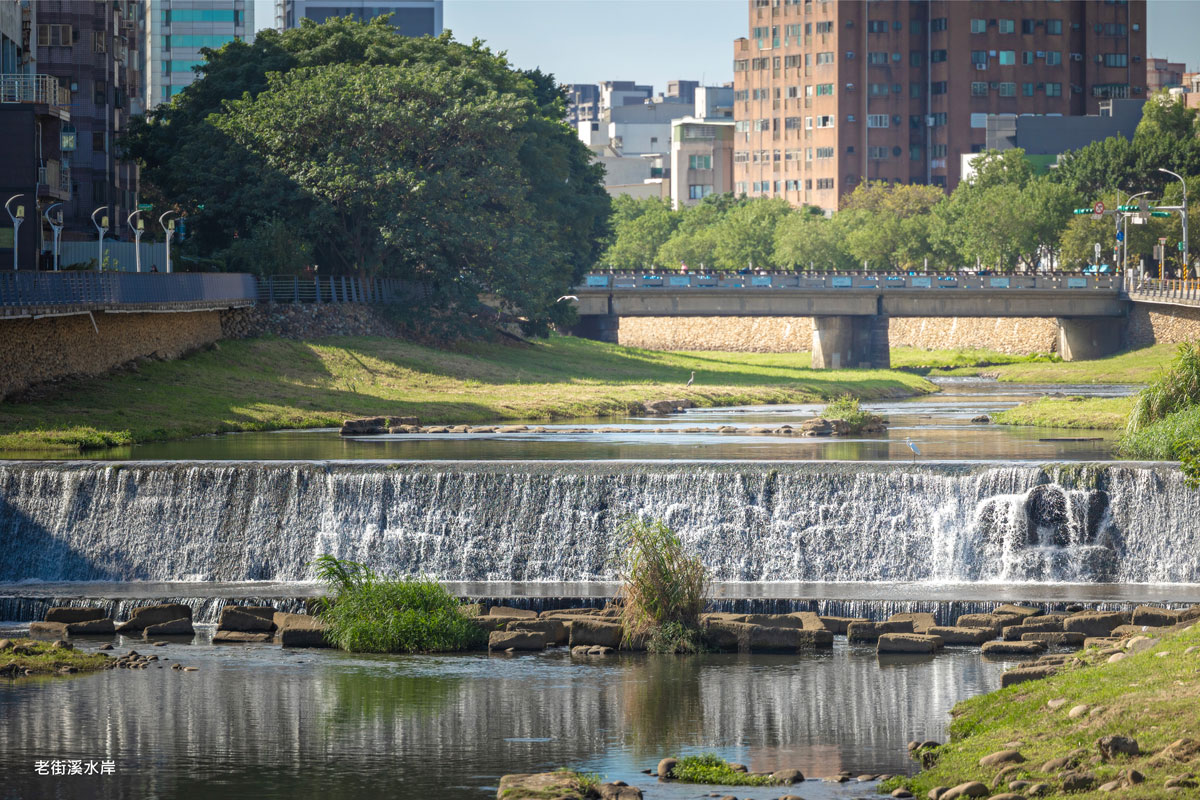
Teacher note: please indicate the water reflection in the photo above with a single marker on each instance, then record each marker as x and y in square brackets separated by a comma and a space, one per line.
[257, 722]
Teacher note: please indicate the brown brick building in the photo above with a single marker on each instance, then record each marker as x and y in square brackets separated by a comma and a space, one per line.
[828, 94]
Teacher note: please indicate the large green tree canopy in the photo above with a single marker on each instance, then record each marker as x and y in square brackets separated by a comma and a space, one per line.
[423, 158]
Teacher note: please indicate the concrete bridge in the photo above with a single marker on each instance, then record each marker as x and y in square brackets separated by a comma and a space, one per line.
[850, 311]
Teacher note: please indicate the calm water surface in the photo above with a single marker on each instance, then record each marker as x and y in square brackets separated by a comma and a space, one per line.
[259, 722]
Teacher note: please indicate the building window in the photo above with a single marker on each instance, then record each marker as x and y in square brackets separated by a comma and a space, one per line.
[791, 123]
[824, 183]
[937, 24]
[1026, 57]
[1008, 58]
[939, 119]
[979, 120]
[808, 123]
[877, 26]
[1006, 26]
[699, 162]
[1053, 58]
[698, 191]
[878, 90]
[825, 58]
[99, 42]
[1116, 60]
[98, 145]
[937, 56]
[1027, 26]
[878, 120]
[824, 152]
[979, 57]
[99, 93]
[54, 36]
[877, 153]
[808, 154]
[877, 58]
[824, 27]
[916, 58]
[824, 89]
[979, 26]
[915, 152]
[1053, 90]
[825, 121]
[937, 151]
[1054, 26]
[914, 90]
[937, 87]
[1008, 89]
[979, 88]
[1027, 89]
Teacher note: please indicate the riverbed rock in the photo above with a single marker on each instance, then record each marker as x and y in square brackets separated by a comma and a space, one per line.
[921, 620]
[510, 611]
[1151, 616]
[838, 625]
[234, 618]
[537, 786]
[1016, 610]
[819, 426]
[517, 640]
[1139, 644]
[1077, 781]
[787, 776]
[1112, 746]
[618, 790]
[594, 632]
[748, 638]
[175, 627]
[73, 614]
[871, 631]
[1179, 751]
[1056, 639]
[907, 643]
[364, 426]
[555, 630]
[299, 630]
[91, 627]
[155, 615]
[1002, 757]
[1013, 633]
[568, 612]
[954, 635]
[1023, 674]
[55, 630]
[666, 767]
[968, 789]
[1013, 648]
[241, 637]
[989, 622]
[1094, 623]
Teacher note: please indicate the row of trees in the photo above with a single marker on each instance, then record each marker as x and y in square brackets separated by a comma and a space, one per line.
[1005, 217]
[352, 148]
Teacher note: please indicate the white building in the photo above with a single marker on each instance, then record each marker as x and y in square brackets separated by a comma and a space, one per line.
[409, 17]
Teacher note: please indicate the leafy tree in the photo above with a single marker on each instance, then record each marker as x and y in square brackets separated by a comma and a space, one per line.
[694, 241]
[810, 241]
[888, 226]
[640, 228]
[746, 235]
[1099, 166]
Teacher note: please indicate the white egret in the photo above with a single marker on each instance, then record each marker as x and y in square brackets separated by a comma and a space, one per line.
[691, 379]
[567, 297]
[912, 446]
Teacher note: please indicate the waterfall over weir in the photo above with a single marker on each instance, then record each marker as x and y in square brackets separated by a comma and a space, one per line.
[523, 521]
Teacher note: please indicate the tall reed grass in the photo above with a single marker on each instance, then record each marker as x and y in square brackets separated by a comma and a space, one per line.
[370, 613]
[1173, 390]
[664, 588]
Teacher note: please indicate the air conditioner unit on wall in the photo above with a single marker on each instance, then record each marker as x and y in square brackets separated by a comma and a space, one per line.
[1077, 56]
[981, 66]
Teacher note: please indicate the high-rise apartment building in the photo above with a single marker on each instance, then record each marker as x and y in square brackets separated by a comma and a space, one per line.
[93, 50]
[176, 30]
[830, 94]
[409, 17]
[1162, 73]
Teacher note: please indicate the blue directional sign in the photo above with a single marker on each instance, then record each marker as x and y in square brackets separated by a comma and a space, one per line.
[1120, 236]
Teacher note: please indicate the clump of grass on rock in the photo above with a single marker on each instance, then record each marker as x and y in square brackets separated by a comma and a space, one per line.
[664, 588]
[847, 409]
[710, 768]
[370, 613]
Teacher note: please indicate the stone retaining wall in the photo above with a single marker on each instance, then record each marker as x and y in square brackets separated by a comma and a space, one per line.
[1153, 323]
[49, 349]
[305, 321]
[794, 334]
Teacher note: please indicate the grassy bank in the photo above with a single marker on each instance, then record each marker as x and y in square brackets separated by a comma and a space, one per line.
[1097, 413]
[1135, 366]
[266, 384]
[920, 361]
[1148, 697]
[43, 658]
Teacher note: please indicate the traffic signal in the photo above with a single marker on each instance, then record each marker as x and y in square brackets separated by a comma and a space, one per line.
[1160, 213]
[1082, 211]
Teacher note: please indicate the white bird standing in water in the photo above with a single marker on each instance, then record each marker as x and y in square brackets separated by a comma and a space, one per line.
[911, 446]
[689, 383]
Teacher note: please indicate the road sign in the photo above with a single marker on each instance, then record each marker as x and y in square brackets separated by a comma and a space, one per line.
[1120, 236]
[1162, 240]
[1098, 208]
[144, 206]
[1097, 252]
[1097, 216]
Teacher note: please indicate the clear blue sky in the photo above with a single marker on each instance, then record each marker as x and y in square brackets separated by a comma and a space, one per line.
[654, 41]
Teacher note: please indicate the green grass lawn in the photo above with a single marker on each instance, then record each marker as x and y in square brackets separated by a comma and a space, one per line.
[1098, 413]
[1135, 366]
[1146, 697]
[269, 383]
[937, 361]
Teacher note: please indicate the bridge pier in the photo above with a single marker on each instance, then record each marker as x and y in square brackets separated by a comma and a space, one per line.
[600, 327]
[1085, 338]
[850, 340]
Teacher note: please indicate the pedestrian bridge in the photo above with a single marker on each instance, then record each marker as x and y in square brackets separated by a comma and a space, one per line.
[850, 311]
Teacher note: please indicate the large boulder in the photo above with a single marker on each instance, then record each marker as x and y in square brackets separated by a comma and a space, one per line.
[299, 630]
[1013, 633]
[960, 635]
[1095, 623]
[594, 632]
[1150, 616]
[234, 618]
[241, 637]
[155, 615]
[1031, 673]
[510, 611]
[747, 638]
[560, 785]
[1013, 648]
[517, 640]
[55, 630]
[91, 627]
[1056, 638]
[1017, 610]
[365, 426]
[871, 631]
[990, 622]
[921, 620]
[73, 614]
[908, 643]
[175, 627]
[838, 625]
[555, 630]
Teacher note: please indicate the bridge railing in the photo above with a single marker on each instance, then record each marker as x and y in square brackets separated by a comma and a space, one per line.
[874, 281]
[24, 292]
[1177, 291]
[337, 289]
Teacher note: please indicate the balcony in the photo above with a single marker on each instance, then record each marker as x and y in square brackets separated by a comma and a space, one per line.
[36, 89]
[56, 177]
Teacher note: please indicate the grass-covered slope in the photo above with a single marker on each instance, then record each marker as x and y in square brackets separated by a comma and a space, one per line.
[1097, 413]
[1134, 366]
[264, 384]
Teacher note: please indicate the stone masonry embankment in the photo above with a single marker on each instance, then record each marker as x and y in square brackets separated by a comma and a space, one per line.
[794, 334]
[305, 321]
[38, 351]
[1155, 323]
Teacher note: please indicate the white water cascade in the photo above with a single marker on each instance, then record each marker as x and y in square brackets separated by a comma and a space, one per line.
[239, 521]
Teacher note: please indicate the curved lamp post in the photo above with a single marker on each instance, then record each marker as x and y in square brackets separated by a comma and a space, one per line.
[168, 227]
[138, 230]
[17, 218]
[101, 228]
[56, 226]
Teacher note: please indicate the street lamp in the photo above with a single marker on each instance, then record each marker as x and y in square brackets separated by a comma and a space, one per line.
[1179, 177]
[1125, 232]
[56, 226]
[169, 227]
[138, 230]
[101, 228]
[17, 218]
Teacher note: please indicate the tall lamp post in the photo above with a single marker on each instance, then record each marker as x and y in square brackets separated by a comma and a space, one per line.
[1179, 177]
[138, 230]
[101, 228]
[56, 226]
[1125, 231]
[169, 227]
[17, 218]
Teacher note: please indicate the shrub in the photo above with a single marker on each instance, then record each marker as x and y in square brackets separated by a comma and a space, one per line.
[847, 409]
[710, 768]
[1174, 389]
[663, 590]
[369, 613]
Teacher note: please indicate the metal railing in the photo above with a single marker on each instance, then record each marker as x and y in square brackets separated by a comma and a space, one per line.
[874, 281]
[337, 289]
[33, 89]
[1185, 292]
[32, 293]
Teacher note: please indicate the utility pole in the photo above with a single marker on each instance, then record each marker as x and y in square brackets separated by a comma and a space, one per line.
[1183, 211]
